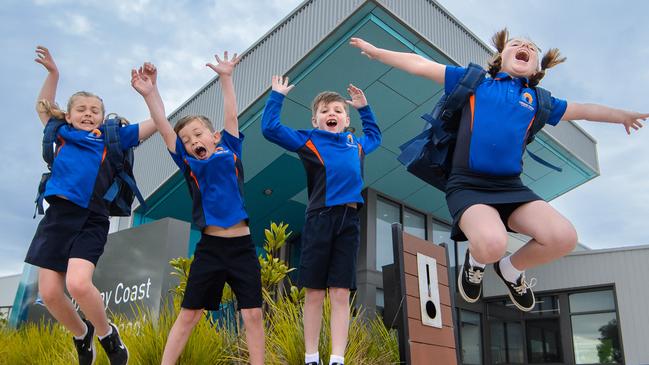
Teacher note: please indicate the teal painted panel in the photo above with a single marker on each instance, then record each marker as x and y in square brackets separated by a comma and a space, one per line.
[408, 127]
[414, 88]
[427, 199]
[434, 54]
[285, 176]
[398, 183]
[443, 214]
[388, 105]
[302, 197]
[291, 213]
[378, 164]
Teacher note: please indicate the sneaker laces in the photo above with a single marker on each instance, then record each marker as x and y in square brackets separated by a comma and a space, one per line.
[475, 275]
[522, 288]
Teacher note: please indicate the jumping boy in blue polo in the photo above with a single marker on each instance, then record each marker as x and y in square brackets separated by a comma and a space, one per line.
[211, 164]
[333, 160]
[484, 192]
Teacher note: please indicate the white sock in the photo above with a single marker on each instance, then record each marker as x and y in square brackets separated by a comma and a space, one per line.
[110, 330]
[510, 273]
[84, 333]
[475, 263]
[312, 358]
[336, 358]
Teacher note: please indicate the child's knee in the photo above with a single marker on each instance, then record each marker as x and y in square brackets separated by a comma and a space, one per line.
[315, 295]
[565, 238]
[51, 295]
[489, 248]
[339, 296]
[189, 317]
[78, 287]
[251, 315]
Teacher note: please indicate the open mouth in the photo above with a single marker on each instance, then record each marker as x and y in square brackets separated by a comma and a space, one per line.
[522, 55]
[200, 152]
[332, 123]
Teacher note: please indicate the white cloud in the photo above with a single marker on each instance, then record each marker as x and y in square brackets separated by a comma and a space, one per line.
[73, 23]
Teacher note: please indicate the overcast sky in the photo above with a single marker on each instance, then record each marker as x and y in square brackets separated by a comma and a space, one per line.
[96, 44]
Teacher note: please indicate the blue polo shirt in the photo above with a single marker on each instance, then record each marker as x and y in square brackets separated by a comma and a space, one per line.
[333, 161]
[215, 184]
[496, 122]
[80, 171]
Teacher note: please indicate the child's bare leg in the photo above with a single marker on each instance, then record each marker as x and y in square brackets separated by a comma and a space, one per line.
[339, 320]
[486, 233]
[312, 318]
[51, 285]
[179, 334]
[553, 235]
[252, 319]
[79, 283]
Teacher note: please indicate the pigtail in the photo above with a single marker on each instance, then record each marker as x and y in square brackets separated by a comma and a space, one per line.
[50, 108]
[498, 40]
[550, 59]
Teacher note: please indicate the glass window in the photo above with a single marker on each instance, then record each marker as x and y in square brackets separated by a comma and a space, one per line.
[592, 301]
[386, 214]
[471, 338]
[543, 341]
[441, 233]
[595, 339]
[506, 342]
[546, 306]
[414, 223]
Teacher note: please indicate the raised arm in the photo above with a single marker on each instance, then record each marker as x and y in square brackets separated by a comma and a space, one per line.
[147, 127]
[406, 61]
[602, 113]
[371, 139]
[271, 126]
[225, 68]
[48, 91]
[143, 84]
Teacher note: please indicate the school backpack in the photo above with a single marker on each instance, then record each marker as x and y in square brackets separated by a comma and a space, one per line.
[123, 190]
[429, 155]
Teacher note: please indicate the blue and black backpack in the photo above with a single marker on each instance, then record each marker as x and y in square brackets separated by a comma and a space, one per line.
[429, 155]
[121, 193]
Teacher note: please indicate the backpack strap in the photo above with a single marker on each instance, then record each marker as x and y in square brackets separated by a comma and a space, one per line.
[116, 158]
[543, 112]
[49, 139]
[461, 92]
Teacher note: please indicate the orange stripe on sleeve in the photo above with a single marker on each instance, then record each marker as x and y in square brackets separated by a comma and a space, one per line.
[311, 146]
[472, 106]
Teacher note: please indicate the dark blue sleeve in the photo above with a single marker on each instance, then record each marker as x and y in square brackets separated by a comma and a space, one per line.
[371, 139]
[274, 131]
[180, 155]
[129, 136]
[558, 110]
[232, 142]
[452, 77]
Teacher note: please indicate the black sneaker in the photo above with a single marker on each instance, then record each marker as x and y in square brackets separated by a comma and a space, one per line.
[520, 292]
[312, 363]
[115, 348]
[469, 282]
[86, 346]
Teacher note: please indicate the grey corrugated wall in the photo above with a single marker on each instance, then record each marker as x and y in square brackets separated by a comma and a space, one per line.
[626, 268]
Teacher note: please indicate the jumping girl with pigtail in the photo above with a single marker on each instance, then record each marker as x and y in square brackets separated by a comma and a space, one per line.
[70, 238]
[484, 192]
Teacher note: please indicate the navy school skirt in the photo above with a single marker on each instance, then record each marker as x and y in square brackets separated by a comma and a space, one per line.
[466, 188]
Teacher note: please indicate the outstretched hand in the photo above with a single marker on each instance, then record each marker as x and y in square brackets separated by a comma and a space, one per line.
[225, 66]
[44, 57]
[632, 120]
[149, 70]
[358, 97]
[366, 48]
[281, 85]
[142, 82]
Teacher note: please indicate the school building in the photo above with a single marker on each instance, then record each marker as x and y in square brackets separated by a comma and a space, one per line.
[589, 310]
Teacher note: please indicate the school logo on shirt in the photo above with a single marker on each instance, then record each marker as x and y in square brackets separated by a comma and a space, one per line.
[94, 135]
[527, 101]
[219, 150]
[350, 141]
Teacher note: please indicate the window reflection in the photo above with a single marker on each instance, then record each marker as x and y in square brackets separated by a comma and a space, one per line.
[386, 214]
[471, 338]
[596, 339]
[506, 342]
[543, 341]
[414, 223]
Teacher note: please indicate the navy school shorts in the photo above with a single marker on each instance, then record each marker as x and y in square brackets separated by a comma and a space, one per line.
[220, 260]
[330, 243]
[67, 231]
